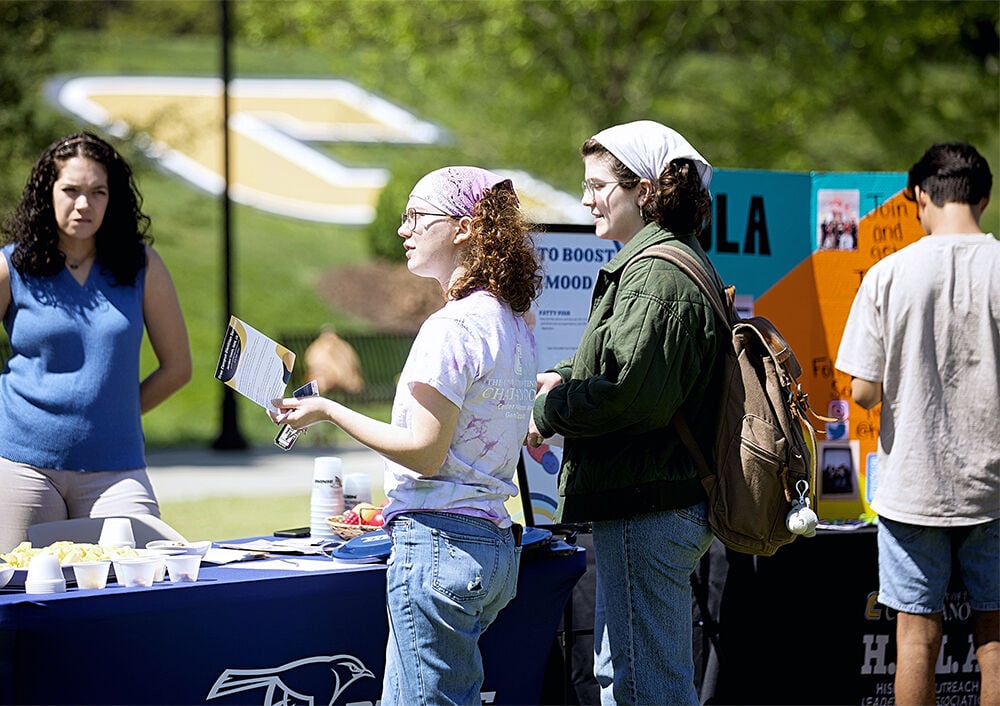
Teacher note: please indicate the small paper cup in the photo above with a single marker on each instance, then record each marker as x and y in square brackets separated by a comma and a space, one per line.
[138, 571]
[183, 568]
[91, 574]
[162, 554]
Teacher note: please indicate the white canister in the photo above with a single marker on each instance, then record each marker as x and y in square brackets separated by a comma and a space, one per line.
[357, 489]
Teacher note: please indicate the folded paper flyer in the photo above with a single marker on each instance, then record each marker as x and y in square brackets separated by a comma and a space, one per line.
[254, 365]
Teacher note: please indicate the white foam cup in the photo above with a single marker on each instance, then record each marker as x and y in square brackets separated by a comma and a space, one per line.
[320, 506]
[162, 554]
[91, 574]
[45, 575]
[117, 532]
[183, 568]
[327, 467]
[137, 571]
[44, 567]
[327, 497]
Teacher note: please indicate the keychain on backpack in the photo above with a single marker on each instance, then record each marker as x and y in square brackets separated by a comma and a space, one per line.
[801, 519]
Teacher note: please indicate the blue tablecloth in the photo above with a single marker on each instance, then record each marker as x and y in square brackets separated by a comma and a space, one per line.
[243, 635]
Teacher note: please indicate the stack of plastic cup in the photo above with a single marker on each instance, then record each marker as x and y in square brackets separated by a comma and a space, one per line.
[357, 489]
[327, 497]
[45, 575]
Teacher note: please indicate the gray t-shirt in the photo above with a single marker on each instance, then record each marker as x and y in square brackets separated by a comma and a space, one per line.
[924, 323]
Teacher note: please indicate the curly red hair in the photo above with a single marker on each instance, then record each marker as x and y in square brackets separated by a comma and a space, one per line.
[501, 256]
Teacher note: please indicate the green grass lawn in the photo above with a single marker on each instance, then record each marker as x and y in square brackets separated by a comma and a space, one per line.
[276, 263]
[235, 517]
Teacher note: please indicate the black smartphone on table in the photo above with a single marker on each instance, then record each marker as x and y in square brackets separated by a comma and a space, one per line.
[296, 532]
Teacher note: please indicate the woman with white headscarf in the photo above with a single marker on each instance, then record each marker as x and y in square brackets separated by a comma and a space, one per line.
[462, 405]
[650, 349]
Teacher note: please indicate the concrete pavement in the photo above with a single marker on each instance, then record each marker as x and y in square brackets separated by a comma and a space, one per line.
[186, 474]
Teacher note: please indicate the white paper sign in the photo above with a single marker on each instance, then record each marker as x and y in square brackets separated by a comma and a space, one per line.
[571, 257]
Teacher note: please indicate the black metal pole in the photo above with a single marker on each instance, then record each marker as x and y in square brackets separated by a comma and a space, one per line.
[230, 437]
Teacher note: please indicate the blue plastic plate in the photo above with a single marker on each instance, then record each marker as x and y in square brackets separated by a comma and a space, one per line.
[376, 546]
[534, 535]
[368, 547]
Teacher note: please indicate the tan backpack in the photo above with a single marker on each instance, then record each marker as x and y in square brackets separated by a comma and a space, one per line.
[763, 455]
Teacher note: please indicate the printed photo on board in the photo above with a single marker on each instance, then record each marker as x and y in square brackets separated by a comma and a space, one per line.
[837, 216]
[838, 471]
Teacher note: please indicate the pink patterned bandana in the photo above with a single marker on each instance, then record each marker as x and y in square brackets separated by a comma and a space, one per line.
[457, 190]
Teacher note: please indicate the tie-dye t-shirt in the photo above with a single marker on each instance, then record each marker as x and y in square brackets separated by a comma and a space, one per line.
[481, 356]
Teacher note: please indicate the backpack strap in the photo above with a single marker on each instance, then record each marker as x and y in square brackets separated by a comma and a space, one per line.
[708, 282]
[711, 286]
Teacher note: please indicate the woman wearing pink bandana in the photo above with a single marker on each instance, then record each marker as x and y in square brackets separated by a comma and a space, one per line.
[650, 348]
[461, 409]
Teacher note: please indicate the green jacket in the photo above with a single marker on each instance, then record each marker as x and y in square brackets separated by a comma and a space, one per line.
[650, 348]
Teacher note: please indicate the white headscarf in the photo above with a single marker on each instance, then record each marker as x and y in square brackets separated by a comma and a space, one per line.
[646, 147]
[457, 190]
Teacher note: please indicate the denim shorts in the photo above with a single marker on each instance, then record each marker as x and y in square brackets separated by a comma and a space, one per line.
[915, 564]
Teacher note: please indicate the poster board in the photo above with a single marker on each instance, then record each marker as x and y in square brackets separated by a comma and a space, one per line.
[795, 245]
[570, 256]
[810, 304]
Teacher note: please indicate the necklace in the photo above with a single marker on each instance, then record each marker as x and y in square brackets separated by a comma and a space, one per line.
[76, 265]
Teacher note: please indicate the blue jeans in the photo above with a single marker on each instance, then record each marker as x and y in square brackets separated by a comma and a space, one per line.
[448, 578]
[642, 618]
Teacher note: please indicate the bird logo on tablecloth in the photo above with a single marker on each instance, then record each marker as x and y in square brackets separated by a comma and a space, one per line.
[280, 683]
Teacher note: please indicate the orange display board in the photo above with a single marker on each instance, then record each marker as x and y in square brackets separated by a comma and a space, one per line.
[811, 304]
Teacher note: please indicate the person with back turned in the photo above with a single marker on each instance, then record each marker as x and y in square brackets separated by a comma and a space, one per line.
[923, 338]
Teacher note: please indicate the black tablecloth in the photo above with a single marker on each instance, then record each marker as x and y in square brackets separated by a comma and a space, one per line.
[800, 627]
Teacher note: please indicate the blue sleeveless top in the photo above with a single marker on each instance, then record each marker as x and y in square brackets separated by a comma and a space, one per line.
[69, 393]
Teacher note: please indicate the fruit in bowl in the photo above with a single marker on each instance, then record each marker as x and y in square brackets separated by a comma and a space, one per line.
[365, 516]
[369, 514]
[362, 514]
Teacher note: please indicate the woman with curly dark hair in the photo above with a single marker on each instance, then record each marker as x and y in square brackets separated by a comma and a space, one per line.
[458, 423]
[79, 284]
[651, 348]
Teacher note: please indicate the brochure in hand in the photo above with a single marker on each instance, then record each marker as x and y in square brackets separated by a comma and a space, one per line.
[254, 365]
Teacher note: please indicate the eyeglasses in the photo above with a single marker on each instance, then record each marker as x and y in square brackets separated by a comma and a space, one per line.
[409, 218]
[592, 186]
